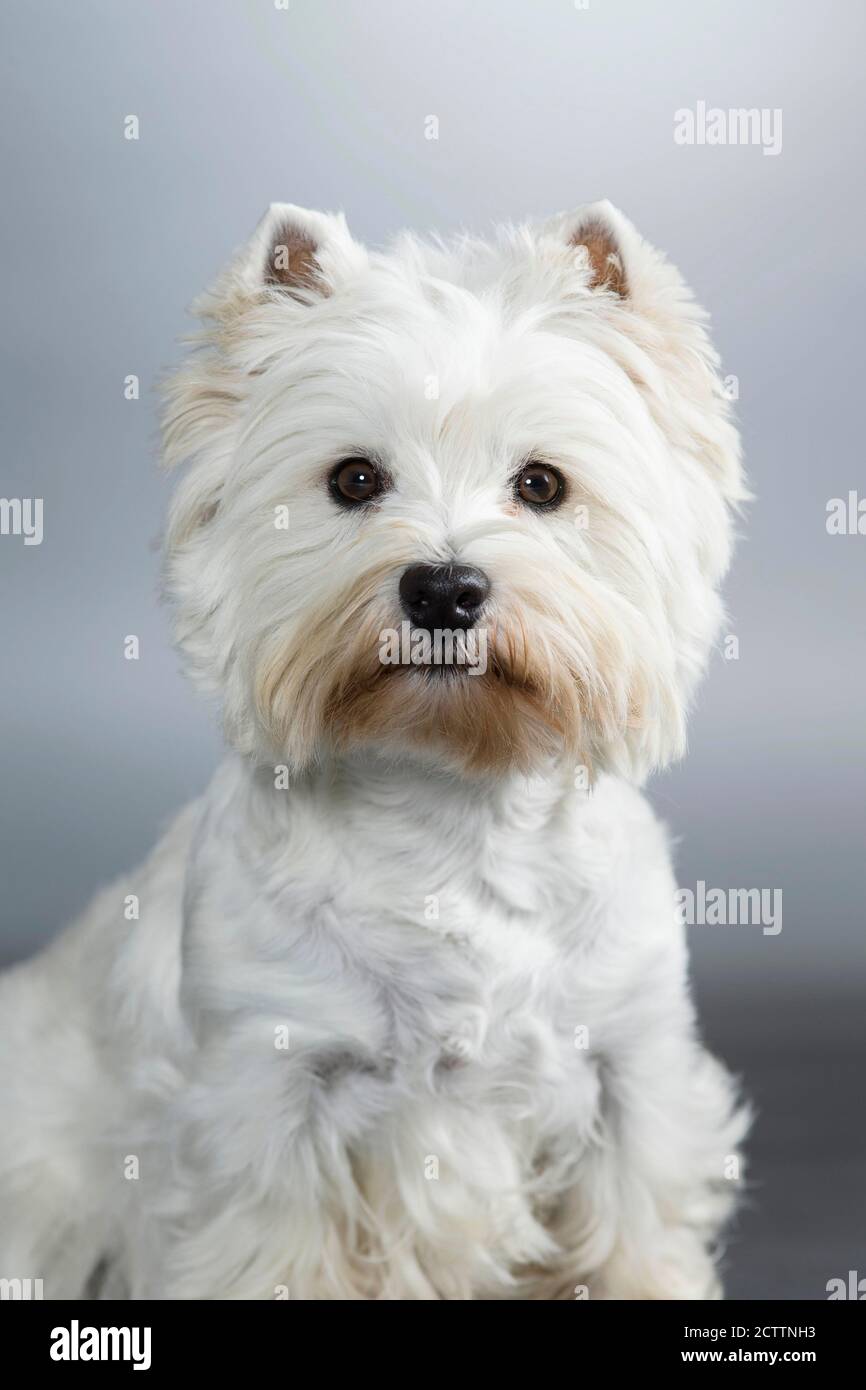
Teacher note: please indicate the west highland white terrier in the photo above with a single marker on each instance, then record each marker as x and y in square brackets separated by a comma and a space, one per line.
[404, 1010]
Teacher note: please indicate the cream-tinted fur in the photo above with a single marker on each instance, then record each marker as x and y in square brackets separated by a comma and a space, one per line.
[405, 1012]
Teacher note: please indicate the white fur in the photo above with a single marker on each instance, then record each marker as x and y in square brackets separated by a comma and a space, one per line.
[432, 930]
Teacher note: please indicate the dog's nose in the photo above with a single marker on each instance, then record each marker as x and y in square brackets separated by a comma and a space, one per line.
[443, 596]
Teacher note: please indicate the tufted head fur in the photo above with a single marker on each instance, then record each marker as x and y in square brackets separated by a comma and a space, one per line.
[449, 368]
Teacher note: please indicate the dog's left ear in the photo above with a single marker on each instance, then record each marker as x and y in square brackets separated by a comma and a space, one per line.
[594, 232]
[599, 234]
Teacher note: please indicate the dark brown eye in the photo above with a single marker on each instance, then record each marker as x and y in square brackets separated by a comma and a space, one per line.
[355, 480]
[539, 485]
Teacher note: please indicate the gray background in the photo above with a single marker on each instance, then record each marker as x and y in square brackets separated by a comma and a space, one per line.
[541, 106]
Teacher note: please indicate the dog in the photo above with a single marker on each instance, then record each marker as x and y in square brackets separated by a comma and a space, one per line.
[399, 1008]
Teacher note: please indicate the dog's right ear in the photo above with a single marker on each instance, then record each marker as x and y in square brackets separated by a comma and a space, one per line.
[295, 258]
[300, 253]
[295, 254]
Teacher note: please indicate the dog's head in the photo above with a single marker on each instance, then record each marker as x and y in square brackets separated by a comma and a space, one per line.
[522, 444]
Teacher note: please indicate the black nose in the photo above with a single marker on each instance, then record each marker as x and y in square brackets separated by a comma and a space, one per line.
[443, 596]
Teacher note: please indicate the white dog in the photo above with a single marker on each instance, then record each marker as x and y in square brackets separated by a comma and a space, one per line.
[404, 1012]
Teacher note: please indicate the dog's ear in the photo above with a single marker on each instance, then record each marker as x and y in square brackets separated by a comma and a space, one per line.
[596, 235]
[599, 234]
[642, 298]
[300, 253]
[295, 257]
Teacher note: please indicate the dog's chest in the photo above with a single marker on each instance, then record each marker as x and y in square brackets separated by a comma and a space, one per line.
[477, 987]
[412, 956]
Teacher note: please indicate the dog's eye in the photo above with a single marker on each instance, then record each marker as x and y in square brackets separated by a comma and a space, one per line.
[355, 480]
[539, 485]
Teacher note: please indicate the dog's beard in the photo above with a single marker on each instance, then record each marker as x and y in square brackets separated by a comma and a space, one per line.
[510, 714]
[545, 691]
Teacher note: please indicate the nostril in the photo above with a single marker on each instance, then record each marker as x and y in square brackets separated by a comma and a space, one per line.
[472, 588]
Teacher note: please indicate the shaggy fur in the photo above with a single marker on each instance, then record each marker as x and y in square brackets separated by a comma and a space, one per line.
[405, 1014]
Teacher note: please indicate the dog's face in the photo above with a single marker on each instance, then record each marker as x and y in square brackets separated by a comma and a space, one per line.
[519, 445]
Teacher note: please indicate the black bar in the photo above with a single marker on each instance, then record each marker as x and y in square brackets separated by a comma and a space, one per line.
[245, 1337]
